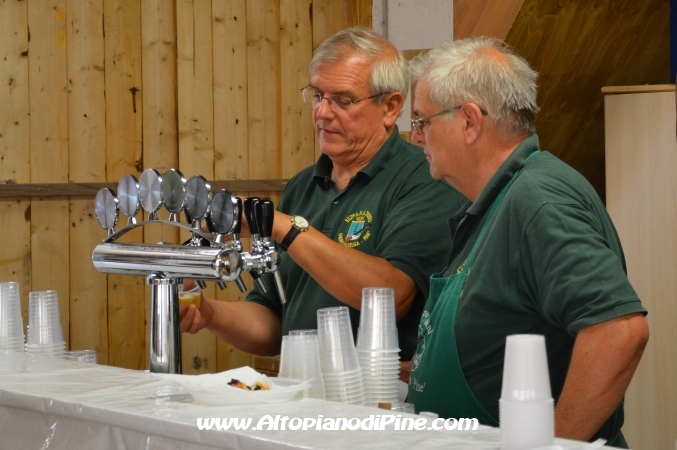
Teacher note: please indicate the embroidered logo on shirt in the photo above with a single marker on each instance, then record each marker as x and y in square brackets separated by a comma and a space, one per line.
[358, 229]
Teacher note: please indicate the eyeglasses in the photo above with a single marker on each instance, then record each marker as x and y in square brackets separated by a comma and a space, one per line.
[313, 98]
[419, 123]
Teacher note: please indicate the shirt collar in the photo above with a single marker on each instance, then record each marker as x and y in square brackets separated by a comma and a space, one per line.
[503, 175]
[324, 165]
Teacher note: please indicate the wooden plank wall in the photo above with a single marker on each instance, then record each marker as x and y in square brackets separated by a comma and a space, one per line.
[93, 90]
[578, 47]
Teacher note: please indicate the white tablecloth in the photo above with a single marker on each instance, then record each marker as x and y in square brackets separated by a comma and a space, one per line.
[48, 403]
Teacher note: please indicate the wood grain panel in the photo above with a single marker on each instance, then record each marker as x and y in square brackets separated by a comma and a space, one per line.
[195, 96]
[328, 17]
[87, 162]
[358, 12]
[298, 137]
[484, 17]
[578, 47]
[124, 100]
[642, 200]
[48, 74]
[230, 89]
[263, 96]
[14, 108]
[15, 262]
[124, 110]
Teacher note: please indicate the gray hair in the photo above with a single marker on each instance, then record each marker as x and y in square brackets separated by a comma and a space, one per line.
[468, 71]
[389, 73]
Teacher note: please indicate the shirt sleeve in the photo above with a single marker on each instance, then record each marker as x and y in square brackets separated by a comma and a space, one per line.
[574, 268]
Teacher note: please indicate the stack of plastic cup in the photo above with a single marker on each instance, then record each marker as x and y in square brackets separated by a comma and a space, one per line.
[88, 356]
[526, 406]
[338, 357]
[378, 346]
[11, 323]
[44, 335]
[300, 358]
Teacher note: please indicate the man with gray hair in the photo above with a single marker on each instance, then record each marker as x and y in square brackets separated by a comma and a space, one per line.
[534, 252]
[366, 214]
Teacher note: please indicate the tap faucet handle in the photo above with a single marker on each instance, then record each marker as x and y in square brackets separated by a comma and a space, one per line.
[265, 213]
[250, 214]
[258, 281]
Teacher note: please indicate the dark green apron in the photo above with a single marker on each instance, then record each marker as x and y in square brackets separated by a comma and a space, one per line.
[437, 380]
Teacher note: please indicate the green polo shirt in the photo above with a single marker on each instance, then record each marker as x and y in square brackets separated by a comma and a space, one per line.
[550, 263]
[392, 209]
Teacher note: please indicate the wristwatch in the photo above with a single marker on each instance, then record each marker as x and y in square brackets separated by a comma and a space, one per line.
[298, 225]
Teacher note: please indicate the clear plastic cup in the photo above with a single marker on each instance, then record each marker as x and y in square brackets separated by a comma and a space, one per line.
[335, 339]
[402, 406]
[300, 358]
[88, 356]
[525, 370]
[11, 323]
[378, 327]
[189, 297]
[44, 326]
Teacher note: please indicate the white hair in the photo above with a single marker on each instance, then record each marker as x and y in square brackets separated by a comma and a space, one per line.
[470, 70]
[389, 73]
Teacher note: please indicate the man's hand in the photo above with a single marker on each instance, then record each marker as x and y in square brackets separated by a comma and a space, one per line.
[603, 361]
[405, 371]
[192, 319]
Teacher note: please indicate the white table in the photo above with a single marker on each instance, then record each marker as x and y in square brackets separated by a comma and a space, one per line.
[58, 404]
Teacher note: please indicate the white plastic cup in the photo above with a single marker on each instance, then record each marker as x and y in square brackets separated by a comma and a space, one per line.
[526, 424]
[526, 406]
[525, 370]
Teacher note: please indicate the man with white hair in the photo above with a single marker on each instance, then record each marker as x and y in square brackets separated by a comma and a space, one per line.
[534, 252]
[366, 214]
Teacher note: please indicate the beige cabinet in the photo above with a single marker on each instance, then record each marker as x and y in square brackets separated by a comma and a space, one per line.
[641, 176]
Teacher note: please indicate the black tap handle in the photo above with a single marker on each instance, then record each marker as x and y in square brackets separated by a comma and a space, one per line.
[238, 213]
[249, 212]
[266, 218]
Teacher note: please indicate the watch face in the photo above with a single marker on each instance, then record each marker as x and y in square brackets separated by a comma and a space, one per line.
[300, 222]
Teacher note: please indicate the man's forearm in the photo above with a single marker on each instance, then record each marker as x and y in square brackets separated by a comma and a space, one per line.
[249, 327]
[603, 361]
[342, 271]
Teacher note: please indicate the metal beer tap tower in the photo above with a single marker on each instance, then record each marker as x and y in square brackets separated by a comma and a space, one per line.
[207, 256]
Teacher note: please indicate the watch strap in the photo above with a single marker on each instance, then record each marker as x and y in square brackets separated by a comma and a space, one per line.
[289, 238]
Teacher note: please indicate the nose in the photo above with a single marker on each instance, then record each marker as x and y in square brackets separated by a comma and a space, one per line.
[417, 138]
[324, 108]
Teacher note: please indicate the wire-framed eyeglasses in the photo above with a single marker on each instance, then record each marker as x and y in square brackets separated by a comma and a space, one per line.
[418, 123]
[313, 98]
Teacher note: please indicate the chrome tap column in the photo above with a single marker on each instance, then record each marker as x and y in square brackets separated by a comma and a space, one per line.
[208, 256]
[165, 337]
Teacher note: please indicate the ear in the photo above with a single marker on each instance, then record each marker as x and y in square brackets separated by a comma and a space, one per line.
[474, 122]
[392, 106]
